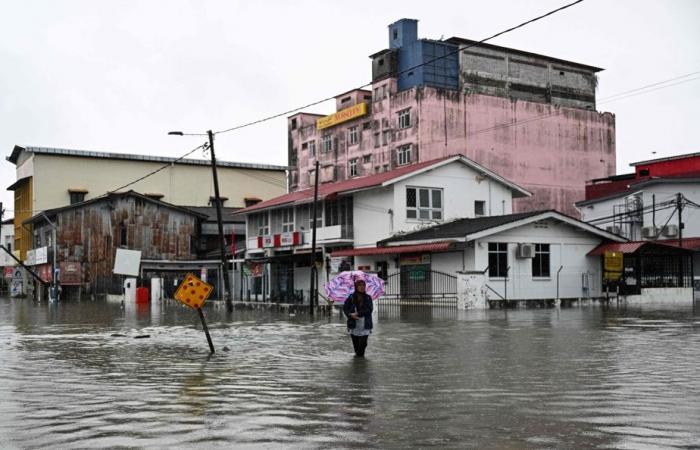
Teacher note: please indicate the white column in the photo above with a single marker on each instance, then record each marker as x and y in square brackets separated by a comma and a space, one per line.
[471, 290]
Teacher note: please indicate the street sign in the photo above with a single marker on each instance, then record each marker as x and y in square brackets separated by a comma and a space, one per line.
[193, 292]
[127, 262]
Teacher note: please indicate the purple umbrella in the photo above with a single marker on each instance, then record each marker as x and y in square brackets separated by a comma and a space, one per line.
[343, 284]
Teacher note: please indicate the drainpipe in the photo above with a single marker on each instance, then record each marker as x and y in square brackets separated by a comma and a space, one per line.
[558, 271]
[505, 285]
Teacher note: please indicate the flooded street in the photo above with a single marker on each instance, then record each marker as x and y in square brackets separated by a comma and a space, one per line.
[75, 376]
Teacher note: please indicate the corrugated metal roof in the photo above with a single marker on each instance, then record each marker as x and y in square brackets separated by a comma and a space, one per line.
[399, 249]
[635, 246]
[133, 157]
[461, 227]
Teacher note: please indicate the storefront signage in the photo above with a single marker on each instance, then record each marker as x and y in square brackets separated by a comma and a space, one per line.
[613, 264]
[340, 264]
[45, 273]
[280, 240]
[413, 260]
[8, 272]
[71, 273]
[342, 116]
[256, 269]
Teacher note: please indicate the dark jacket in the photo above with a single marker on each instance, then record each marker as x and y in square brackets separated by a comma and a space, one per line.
[365, 310]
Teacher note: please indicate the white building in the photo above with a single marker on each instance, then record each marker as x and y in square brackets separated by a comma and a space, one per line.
[528, 256]
[648, 209]
[356, 215]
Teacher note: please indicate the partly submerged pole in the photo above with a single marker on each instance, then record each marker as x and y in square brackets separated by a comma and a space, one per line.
[206, 329]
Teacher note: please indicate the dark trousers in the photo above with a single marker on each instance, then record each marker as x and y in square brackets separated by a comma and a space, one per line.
[359, 343]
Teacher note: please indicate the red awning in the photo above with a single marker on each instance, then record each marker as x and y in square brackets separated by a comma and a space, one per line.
[417, 248]
[628, 247]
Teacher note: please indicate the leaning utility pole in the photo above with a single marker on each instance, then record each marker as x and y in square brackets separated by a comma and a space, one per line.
[314, 271]
[679, 207]
[222, 243]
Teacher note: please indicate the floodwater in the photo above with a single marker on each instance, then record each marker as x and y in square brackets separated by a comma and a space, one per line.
[589, 377]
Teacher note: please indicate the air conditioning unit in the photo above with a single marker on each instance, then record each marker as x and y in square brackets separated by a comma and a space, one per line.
[525, 251]
[614, 229]
[670, 231]
[650, 232]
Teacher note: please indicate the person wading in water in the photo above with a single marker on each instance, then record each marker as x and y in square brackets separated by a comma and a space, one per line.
[358, 309]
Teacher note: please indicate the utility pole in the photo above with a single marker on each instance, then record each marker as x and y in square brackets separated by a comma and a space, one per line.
[219, 220]
[679, 207]
[53, 294]
[314, 271]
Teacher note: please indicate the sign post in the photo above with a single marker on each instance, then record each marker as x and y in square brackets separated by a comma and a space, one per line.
[193, 292]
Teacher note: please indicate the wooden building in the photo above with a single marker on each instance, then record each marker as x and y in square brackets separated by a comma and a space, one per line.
[88, 234]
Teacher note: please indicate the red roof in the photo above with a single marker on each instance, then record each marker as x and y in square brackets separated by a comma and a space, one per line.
[417, 248]
[622, 247]
[693, 242]
[632, 247]
[352, 184]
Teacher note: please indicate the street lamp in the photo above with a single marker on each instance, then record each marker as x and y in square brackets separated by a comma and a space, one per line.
[219, 219]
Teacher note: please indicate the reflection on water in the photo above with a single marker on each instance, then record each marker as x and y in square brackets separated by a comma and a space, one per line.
[74, 376]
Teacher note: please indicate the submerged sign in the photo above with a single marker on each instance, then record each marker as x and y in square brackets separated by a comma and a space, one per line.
[193, 292]
[342, 116]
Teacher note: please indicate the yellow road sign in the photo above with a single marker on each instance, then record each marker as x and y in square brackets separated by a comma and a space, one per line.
[193, 292]
[613, 261]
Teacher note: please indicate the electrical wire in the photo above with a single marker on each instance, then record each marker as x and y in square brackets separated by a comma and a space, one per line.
[431, 61]
[163, 167]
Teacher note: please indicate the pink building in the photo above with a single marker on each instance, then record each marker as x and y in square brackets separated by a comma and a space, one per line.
[530, 118]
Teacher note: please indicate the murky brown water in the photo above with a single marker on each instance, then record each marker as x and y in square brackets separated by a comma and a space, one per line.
[569, 378]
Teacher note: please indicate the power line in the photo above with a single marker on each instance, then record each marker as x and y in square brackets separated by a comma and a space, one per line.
[604, 99]
[288, 112]
[163, 167]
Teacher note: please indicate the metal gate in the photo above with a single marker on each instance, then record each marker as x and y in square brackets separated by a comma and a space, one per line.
[418, 285]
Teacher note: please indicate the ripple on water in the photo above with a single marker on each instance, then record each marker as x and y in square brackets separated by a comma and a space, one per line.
[76, 377]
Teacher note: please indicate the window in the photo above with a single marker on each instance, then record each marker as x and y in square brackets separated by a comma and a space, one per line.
[367, 125]
[376, 139]
[312, 148]
[424, 203]
[386, 137]
[353, 135]
[122, 235]
[367, 159]
[76, 196]
[353, 167]
[479, 208]
[263, 224]
[287, 220]
[540, 263]
[305, 146]
[327, 143]
[498, 259]
[404, 155]
[345, 100]
[294, 124]
[405, 118]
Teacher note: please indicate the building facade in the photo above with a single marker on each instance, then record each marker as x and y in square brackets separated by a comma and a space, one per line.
[645, 204]
[359, 212]
[531, 118]
[87, 235]
[51, 178]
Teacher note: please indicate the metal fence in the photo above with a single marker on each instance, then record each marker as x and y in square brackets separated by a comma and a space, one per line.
[419, 286]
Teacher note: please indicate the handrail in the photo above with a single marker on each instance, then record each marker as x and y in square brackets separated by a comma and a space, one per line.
[494, 291]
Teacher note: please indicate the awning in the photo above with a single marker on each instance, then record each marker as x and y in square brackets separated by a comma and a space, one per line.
[396, 250]
[634, 247]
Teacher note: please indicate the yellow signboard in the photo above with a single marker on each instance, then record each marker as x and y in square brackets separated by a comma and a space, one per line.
[193, 292]
[342, 116]
[613, 261]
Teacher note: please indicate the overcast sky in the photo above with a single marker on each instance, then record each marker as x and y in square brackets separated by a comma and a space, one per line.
[117, 75]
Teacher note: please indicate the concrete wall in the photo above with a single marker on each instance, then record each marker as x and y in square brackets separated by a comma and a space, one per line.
[180, 184]
[551, 151]
[494, 71]
[461, 187]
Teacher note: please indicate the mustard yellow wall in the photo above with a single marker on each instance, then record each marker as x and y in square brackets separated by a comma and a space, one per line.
[185, 185]
[23, 211]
